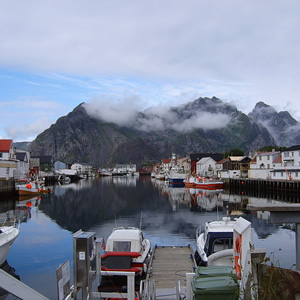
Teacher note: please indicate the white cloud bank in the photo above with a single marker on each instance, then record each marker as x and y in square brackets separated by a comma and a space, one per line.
[127, 113]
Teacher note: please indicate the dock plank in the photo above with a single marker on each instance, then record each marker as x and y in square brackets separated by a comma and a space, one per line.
[170, 264]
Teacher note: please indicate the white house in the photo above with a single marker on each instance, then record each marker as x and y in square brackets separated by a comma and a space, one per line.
[8, 161]
[206, 166]
[263, 164]
[82, 168]
[289, 169]
[23, 159]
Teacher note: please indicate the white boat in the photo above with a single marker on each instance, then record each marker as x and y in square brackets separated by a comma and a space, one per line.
[8, 234]
[31, 188]
[176, 175]
[127, 249]
[161, 175]
[215, 237]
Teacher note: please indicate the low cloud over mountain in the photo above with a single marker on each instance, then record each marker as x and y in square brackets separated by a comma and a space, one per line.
[182, 119]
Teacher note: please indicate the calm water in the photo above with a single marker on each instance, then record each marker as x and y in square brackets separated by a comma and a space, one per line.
[169, 216]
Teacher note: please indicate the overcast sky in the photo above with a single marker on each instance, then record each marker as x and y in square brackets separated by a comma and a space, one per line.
[137, 54]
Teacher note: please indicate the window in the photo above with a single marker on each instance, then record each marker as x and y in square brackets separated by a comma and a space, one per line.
[296, 174]
[268, 157]
[286, 154]
[281, 174]
[123, 246]
[260, 158]
[222, 244]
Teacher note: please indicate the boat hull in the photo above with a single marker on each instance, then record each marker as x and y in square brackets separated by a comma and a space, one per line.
[7, 238]
[210, 186]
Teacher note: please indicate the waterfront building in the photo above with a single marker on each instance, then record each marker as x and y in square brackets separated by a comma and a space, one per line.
[8, 160]
[289, 169]
[233, 167]
[206, 166]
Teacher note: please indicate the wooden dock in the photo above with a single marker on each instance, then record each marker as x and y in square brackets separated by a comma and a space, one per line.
[170, 264]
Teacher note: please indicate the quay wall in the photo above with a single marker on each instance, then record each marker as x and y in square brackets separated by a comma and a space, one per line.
[264, 184]
[7, 186]
[284, 190]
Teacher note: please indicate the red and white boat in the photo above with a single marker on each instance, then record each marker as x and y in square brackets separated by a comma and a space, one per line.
[126, 249]
[209, 183]
[203, 183]
[31, 188]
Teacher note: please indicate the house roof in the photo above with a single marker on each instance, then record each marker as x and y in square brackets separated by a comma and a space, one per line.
[268, 153]
[292, 148]
[5, 145]
[21, 156]
[222, 161]
[198, 156]
[277, 159]
[44, 159]
[166, 160]
[203, 160]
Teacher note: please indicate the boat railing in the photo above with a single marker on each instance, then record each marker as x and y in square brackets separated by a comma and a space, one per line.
[9, 221]
[148, 289]
[200, 229]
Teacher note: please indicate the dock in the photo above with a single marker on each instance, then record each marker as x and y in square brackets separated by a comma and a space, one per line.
[168, 265]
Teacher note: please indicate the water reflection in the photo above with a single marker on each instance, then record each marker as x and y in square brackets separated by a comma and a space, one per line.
[169, 215]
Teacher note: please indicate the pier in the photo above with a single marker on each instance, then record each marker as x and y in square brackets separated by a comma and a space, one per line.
[169, 265]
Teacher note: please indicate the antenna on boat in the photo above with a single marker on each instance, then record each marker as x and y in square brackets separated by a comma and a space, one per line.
[116, 225]
[141, 220]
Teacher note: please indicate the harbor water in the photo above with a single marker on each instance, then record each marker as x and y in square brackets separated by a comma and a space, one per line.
[168, 215]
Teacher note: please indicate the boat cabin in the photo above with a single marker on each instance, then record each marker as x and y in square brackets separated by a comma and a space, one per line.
[132, 241]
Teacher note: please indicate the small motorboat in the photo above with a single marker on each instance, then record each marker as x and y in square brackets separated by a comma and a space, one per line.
[8, 234]
[31, 188]
[126, 249]
[215, 236]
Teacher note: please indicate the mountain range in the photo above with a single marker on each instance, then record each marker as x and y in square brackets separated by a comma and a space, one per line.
[204, 125]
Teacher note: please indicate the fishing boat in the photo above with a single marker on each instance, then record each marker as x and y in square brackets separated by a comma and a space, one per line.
[208, 183]
[8, 234]
[31, 188]
[176, 175]
[190, 182]
[161, 175]
[127, 249]
[215, 237]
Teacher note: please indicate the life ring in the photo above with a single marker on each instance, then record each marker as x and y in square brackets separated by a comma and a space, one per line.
[238, 256]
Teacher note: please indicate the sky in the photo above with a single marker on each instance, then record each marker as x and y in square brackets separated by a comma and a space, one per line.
[120, 56]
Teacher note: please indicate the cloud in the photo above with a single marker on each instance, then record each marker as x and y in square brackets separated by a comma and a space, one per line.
[25, 118]
[28, 130]
[127, 113]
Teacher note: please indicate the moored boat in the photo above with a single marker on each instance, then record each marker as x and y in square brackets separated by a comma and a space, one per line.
[8, 234]
[176, 175]
[208, 183]
[215, 236]
[127, 249]
[31, 188]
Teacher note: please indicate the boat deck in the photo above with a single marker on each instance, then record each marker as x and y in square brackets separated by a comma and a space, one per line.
[170, 264]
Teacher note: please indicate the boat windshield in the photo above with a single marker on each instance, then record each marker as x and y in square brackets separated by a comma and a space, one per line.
[122, 246]
[221, 244]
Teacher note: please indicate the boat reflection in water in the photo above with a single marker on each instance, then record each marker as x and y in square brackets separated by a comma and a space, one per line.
[171, 216]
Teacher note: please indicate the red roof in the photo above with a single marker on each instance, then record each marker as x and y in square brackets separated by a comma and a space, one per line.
[166, 160]
[5, 145]
[277, 159]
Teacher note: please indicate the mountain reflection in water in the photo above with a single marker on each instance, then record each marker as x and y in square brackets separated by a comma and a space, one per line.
[168, 215]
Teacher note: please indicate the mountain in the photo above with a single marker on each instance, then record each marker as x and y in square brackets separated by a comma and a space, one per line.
[282, 126]
[203, 125]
